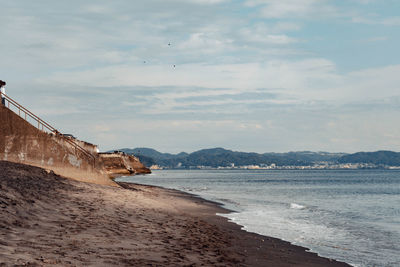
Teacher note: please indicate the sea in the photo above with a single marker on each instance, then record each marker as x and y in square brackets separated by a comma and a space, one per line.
[347, 215]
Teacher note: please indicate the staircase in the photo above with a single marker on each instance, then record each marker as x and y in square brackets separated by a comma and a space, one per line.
[44, 126]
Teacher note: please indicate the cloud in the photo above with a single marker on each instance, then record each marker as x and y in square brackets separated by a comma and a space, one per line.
[264, 34]
[364, 1]
[274, 74]
[293, 8]
[261, 74]
[221, 89]
[205, 42]
[376, 39]
[393, 21]
[374, 20]
[208, 2]
[373, 83]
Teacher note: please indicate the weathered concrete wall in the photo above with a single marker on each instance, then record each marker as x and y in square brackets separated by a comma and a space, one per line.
[88, 147]
[23, 143]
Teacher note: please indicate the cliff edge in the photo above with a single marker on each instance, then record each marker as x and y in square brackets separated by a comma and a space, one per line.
[119, 163]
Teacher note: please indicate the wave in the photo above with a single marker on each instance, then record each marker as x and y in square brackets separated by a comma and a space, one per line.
[297, 206]
[228, 201]
[195, 189]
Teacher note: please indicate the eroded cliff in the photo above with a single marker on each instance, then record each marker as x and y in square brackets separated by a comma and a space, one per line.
[119, 163]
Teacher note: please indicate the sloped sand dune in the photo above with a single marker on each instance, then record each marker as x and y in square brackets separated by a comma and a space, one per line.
[46, 220]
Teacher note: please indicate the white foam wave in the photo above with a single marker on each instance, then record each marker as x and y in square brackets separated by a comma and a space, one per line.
[297, 206]
[194, 189]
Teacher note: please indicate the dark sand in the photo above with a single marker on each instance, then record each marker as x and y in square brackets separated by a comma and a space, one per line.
[46, 220]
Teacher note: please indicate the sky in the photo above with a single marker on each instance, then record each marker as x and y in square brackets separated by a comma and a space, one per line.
[183, 75]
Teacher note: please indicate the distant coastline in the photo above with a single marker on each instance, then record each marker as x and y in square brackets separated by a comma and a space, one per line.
[314, 167]
[222, 159]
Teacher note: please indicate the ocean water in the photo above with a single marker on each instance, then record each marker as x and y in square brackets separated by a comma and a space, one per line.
[348, 215]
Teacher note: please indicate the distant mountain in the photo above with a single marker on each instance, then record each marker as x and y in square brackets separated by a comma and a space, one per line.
[220, 157]
[388, 158]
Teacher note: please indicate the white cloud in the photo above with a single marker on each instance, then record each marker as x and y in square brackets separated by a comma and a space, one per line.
[274, 74]
[305, 82]
[376, 39]
[365, 2]
[207, 1]
[286, 26]
[293, 8]
[97, 9]
[374, 83]
[202, 41]
[393, 21]
[261, 33]
[374, 20]
[273, 39]
[117, 52]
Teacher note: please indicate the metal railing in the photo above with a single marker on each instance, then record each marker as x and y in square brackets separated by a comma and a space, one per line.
[42, 125]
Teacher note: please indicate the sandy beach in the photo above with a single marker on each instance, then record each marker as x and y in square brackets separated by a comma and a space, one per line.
[47, 220]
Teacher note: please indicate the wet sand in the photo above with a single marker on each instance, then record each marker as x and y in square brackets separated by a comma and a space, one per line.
[47, 220]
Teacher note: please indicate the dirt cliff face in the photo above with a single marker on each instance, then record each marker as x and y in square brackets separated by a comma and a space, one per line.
[117, 164]
[23, 143]
[134, 163]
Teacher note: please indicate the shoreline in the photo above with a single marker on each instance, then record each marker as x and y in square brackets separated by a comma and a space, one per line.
[227, 211]
[256, 243]
[50, 220]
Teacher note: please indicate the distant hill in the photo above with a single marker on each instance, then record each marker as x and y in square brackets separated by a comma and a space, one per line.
[220, 157]
[388, 158]
[309, 156]
[149, 156]
[152, 153]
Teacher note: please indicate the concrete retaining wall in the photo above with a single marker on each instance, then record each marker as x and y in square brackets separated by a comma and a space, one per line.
[23, 143]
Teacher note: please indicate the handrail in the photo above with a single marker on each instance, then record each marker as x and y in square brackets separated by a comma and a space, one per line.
[47, 126]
